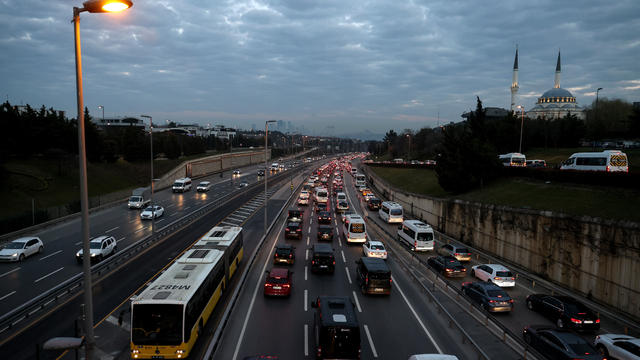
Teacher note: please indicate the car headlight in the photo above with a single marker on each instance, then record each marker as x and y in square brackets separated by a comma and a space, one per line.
[14, 255]
[92, 255]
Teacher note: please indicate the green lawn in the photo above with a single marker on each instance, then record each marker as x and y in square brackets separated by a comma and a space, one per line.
[525, 193]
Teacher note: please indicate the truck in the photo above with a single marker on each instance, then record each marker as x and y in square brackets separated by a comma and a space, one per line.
[140, 198]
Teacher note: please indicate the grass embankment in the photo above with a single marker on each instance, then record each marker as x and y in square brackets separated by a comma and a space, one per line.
[55, 182]
[525, 193]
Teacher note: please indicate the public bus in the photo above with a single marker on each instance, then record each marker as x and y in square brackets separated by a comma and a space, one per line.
[513, 159]
[608, 161]
[170, 313]
[360, 180]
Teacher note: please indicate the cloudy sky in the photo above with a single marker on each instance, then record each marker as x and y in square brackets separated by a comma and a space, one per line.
[328, 66]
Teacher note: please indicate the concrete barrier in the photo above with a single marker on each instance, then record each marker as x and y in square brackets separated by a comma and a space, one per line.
[598, 258]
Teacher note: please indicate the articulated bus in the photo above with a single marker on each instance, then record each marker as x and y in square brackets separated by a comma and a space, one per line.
[170, 313]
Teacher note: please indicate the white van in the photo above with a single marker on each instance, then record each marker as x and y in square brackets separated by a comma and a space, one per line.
[513, 159]
[418, 235]
[322, 195]
[355, 230]
[391, 212]
[608, 160]
[182, 185]
[360, 180]
[340, 197]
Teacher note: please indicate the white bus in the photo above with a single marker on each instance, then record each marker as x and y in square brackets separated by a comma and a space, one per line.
[608, 160]
[418, 235]
[513, 159]
[391, 212]
[170, 313]
[360, 180]
[355, 230]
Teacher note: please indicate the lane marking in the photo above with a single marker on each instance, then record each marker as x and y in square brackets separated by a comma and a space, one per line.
[309, 231]
[305, 273]
[132, 221]
[424, 328]
[122, 238]
[339, 240]
[306, 255]
[305, 299]
[373, 348]
[50, 255]
[174, 214]
[10, 271]
[137, 231]
[49, 274]
[168, 206]
[13, 292]
[346, 269]
[357, 302]
[306, 340]
[110, 230]
[159, 221]
[343, 258]
[308, 240]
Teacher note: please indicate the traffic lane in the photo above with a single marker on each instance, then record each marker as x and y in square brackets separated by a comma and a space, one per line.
[116, 288]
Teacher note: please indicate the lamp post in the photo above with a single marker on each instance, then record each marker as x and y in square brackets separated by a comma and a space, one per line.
[102, 107]
[92, 6]
[266, 171]
[153, 216]
[409, 151]
[596, 115]
[521, 126]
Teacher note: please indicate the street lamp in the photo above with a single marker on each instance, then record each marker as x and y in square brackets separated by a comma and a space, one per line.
[92, 6]
[102, 107]
[266, 172]
[153, 213]
[521, 125]
[596, 115]
[409, 152]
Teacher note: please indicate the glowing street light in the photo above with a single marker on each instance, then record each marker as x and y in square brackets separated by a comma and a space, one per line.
[92, 6]
[521, 125]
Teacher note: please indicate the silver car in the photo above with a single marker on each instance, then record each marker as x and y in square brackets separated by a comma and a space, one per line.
[21, 248]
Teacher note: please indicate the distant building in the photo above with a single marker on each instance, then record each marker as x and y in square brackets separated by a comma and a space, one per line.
[119, 122]
[490, 113]
[556, 102]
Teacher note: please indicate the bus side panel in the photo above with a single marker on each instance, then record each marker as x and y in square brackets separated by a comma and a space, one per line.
[205, 317]
[233, 266]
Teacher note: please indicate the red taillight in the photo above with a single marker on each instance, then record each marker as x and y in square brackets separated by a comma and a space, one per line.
[313, 262]
[511, 301]
[299, 229]
[576, 321]
[492, 301]
[597, 321]
[390, 280]
[464, 269]
[276, 254]
[415, 244]
[366, 280]
[287, 229]
[456, 254]
[334, 262]
[497, 278]
[286, 285]
[290, 256]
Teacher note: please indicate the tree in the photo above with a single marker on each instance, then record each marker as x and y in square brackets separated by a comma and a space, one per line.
[467, 159]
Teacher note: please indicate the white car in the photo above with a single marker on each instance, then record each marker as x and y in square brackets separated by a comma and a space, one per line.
[304, 194]
[618, 346]
[372, 248]
[204, 186]
[236, 172]
[303, 201]
[19, 249]
[99, 248]
[152, 212]
[243, 184]
[494, 273]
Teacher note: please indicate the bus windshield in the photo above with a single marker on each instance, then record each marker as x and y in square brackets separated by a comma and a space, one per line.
[156, 324]
[396, 212]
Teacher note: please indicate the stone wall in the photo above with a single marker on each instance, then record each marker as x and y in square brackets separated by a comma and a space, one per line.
[588, 255]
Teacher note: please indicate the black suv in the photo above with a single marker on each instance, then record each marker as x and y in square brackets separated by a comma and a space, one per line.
[489, 295]
[285, 253]
[324, 217]
[374, 204]
[293, 230]
[374, 276]
[322, 259]
[336, 328]
[295, 215]
[325, 232]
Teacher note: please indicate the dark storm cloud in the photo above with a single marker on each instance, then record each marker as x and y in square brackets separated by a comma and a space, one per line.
[351, 65]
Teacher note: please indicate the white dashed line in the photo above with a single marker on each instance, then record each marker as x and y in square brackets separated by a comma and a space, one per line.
[357, 302]
[343, 258]
[346, 269]
[305, 273]
[122, 238]
[112, 229]
[305, 299]
[50, 255]
[49, 274]
[306, 340]
[13, 292]
[10, 271]
[373, 348]
[306, 255]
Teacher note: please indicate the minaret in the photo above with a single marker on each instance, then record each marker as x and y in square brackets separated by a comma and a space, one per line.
[556, 81]
[514, 81]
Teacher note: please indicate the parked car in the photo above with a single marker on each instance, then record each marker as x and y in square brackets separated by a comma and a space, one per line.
[278, 282]
[490, 296]
[293, 230]
[372, 248]
[459, 252]
[447, 266]
[494, 273]
[324, 217]
[99, 248]
[559, 344]
[284, 253]
[19, 249]
[204, 186]
[618, 346]
[325, 232]
[152, 212]
[565, 311]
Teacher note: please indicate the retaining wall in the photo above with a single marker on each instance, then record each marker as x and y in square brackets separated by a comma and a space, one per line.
[599, 258]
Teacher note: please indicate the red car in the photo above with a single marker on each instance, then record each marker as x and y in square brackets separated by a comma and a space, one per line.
[278, 282]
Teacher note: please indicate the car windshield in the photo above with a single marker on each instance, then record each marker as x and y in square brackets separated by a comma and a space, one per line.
[15, 245]
[283, 251]
[156, 324]
[135, 198]
[276, 280]
[396, 212]
[504, 273]
[425, 236]
[497, 294]
[95, 245]
[376, 247]
[580, 347]
[462, 250]
[149, 208]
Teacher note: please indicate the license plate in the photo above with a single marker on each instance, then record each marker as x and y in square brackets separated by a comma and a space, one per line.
[277, 287]
[378, 289]
[323, 266]
[282, 260]
[588, 321]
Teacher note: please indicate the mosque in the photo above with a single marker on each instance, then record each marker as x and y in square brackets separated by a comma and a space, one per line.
[554, 103]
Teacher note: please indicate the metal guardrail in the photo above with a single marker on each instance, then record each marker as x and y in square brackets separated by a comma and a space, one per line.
[506, 334]
[74, 284]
